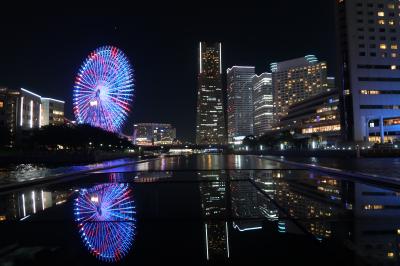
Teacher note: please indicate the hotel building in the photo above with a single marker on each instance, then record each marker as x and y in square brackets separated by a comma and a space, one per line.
[210, 122]
[368, 69]
[296, 80]
[318, 115]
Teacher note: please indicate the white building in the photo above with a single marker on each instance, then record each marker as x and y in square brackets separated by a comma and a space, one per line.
[296, 80]
[240, 101]
[29, 109]
[369, 69]
[262, 103]
[52, 112]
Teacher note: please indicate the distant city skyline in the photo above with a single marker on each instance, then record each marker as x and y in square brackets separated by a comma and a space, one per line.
[43, 53]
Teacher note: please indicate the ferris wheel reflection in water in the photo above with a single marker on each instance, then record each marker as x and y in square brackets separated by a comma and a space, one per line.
[105, 215]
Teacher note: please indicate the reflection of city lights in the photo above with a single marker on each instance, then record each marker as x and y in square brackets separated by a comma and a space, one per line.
[33, 202]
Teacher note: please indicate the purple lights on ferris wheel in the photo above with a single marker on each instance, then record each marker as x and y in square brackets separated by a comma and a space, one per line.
[105, 215]
[103, 90]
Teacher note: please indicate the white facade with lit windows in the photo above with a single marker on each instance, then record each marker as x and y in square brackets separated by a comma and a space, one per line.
[21, 109]
[52, 112]
[296, 80]
[262, 103]
[369, 69]
[240, 101]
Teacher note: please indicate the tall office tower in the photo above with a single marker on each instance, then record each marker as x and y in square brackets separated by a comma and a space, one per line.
[263, 103]
[210, 124]
[368, 69]
[296, 80]
[240, 102]
[52, 112]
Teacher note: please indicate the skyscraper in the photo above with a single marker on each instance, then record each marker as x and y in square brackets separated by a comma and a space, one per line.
[263, 103]
[296, 80]
[240, 101]
[368, 69]
[210, 124]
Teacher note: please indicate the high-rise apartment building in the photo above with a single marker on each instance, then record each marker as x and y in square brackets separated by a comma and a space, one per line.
[210, 124]
[368, 69]
[240, 101]
[262, 103]
[296, 80]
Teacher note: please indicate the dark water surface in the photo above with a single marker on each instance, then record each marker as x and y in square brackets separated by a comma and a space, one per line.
[208, 209]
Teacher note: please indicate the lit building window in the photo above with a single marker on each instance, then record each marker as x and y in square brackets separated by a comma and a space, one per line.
[381, 14]
[321, 129]
[382, 46]
[394, 55]
[381, 22]
[393, 67]
[373, 207]
[393, 46]
[391, 22]
[1, 104]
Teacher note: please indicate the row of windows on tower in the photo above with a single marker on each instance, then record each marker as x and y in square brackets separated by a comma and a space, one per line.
[379, 5]
[390, 22]
[380, 30]
[382, 38]
[382, 46]
[382, 55]
[379, 13]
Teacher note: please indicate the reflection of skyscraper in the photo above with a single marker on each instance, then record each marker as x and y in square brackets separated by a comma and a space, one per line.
[376, 229]
[210, 128]
[214, 206]
[21, 205]
[310, 198]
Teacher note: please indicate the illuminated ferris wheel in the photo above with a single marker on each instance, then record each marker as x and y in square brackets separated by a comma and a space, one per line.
[103, 90]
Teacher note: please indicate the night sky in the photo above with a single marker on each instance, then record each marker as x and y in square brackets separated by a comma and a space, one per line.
[43, 52]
